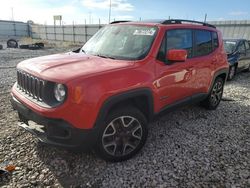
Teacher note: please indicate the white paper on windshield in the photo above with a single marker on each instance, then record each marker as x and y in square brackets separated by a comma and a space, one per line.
[145, 32]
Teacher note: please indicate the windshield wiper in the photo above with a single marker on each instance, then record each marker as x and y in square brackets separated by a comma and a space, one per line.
[104, 56]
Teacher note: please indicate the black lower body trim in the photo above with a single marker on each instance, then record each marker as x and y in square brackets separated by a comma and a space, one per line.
[55, 132]
[186, 101]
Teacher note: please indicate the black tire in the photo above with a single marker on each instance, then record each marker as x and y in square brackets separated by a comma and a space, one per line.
[1, 47]
[115, 141]
[24, 46]
[34, 47]
[232, 72]
[12, 43]
[215, 95]
[40, 44]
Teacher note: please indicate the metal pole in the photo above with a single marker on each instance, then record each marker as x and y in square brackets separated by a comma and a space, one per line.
[109, 10]
[55, 31]
[46, 31]
[28, 30]
[86, 35]
[14, 27]
[63, 31]
[74, 40]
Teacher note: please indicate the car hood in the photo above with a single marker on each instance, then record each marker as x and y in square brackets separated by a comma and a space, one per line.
[67, 66]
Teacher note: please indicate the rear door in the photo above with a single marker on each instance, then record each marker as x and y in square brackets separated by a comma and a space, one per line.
[205, 58]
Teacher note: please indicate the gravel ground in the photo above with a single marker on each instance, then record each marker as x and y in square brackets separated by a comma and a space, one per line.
[189, 147]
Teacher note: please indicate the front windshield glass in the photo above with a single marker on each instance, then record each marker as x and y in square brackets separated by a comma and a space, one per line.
[125, 42]
[229, 46]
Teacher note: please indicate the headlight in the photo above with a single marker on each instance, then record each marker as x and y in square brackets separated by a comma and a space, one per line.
[59, 92]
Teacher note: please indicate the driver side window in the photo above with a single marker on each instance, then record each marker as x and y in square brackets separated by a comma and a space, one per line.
[180, 39]
[176, 39]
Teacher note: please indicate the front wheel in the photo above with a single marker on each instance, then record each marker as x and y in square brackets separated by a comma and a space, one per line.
[122, 135]
[215, 95]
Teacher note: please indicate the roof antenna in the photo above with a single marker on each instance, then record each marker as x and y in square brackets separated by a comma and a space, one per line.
[205, 20]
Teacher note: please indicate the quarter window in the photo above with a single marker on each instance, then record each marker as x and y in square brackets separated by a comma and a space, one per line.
[203, 42]
[215, 40]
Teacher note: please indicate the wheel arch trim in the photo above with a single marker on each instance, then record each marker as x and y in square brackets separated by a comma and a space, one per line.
[218, 73]
[118, 98]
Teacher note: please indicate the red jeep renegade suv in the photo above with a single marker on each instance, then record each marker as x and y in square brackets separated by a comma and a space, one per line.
[104, 94]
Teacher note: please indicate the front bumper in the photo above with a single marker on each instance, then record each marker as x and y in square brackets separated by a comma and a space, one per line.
[55, 132]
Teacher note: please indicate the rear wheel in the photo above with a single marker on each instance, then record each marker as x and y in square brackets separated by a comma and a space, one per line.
[122, 135]
[232, 71]
[215, 95]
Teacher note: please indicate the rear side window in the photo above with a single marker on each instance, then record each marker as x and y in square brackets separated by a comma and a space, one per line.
[180, 39]
[215, 40]
[203, 43]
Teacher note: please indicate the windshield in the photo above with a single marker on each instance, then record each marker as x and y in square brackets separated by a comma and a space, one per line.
[125, 42]
[230, 46]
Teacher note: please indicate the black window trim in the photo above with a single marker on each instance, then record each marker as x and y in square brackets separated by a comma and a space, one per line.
[194, 47]
[214, 32]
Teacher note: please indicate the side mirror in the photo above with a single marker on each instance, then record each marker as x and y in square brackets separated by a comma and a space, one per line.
[177, 55]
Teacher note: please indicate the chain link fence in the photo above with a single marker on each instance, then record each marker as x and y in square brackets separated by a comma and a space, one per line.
[82, 33]
[72, 33]
[14, 28]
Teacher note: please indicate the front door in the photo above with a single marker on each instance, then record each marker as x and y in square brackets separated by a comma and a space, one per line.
[175, 79]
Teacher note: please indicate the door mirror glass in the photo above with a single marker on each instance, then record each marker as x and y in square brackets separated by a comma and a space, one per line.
[177, 55]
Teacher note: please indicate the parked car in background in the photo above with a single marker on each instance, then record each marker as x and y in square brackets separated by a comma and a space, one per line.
[238, 54]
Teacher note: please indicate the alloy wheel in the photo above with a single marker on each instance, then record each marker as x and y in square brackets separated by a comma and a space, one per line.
[122, 136]
[216, 93]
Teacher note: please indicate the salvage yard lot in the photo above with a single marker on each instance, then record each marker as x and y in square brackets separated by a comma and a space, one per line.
[189, 147]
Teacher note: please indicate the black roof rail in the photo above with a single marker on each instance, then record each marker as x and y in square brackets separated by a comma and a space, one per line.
[121, 21]
[179, 21]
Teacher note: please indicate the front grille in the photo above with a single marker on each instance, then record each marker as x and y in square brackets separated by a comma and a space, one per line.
[30, 85]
